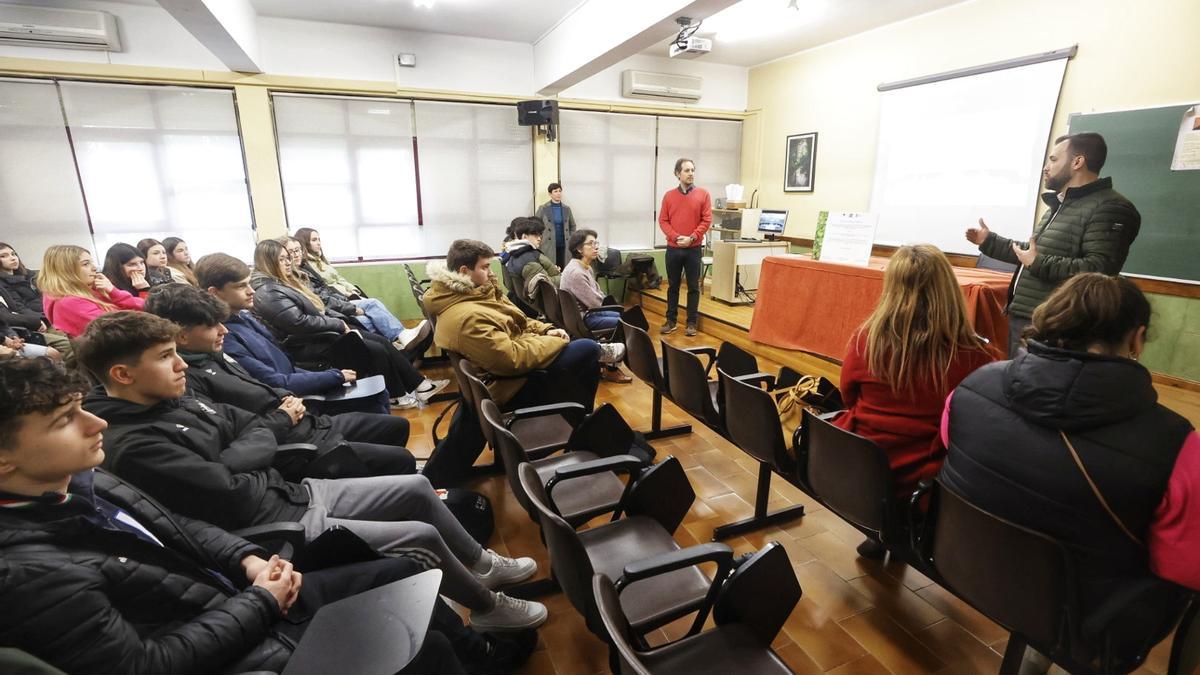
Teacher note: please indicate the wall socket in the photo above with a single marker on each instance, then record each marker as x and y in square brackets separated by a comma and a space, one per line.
[406, 60]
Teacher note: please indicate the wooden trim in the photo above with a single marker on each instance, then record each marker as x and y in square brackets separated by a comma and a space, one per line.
[1173, 381]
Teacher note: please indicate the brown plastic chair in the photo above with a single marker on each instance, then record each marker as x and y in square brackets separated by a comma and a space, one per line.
[574, 318]
[547, 296]
[752, 421]
[1026, 582]
[541, 430]
[587, 497]
[689, 384]
[749, 611]
[645, 364]
[653, 506]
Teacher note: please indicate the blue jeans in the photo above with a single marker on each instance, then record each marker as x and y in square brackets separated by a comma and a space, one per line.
[377, 319]
[605, 320]
[573, 376]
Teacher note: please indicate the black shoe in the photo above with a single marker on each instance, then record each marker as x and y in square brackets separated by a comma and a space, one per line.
[691, 330]
[872, 549]
[493, 653]
[668, 328]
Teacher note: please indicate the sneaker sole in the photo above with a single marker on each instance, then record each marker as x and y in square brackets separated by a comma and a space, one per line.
[488, 627]
[497, 584]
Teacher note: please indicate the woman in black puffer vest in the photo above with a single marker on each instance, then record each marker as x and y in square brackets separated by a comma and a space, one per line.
[1012, 427]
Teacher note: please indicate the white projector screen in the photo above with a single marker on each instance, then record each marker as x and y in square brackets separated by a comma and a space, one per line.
[954, 151]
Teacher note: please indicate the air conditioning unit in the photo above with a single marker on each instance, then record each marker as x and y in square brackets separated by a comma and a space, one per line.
[660, 86]
[64, 28]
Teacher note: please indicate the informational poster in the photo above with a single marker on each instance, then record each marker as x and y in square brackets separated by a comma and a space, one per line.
[1187, 144]
[845, 238]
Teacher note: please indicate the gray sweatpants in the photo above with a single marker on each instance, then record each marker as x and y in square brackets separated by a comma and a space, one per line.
[400, 513]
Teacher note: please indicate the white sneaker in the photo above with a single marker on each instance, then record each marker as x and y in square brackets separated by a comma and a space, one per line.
[510, 614]
[428, 389]
[611, 352]
[405, 402]
[409, 335]
[494, 570]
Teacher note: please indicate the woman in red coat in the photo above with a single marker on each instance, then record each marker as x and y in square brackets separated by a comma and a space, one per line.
[912, 351]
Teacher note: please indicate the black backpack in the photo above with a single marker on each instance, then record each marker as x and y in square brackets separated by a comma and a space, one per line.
[473, 511]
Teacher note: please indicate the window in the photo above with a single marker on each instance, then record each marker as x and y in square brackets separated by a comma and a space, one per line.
[160, 161]
[714, 145]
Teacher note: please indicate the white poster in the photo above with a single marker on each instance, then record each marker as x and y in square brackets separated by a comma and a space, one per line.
[1187, 145]
[848, 238]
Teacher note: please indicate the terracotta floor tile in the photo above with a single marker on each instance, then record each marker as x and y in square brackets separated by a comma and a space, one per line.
[894, 599]
[835, 595]
[963, 614]
[894, 647]
[821, 638]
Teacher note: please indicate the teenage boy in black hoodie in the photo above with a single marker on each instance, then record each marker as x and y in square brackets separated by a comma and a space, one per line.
[376, 439]
[96, 577]
[214, 462]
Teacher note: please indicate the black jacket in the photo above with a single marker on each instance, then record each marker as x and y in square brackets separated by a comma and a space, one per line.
[23, 287]
[216, 377]
[286, 311]
[332, 297]
[14, 311]
[91, 597]
[1006, 454]
[204, 460]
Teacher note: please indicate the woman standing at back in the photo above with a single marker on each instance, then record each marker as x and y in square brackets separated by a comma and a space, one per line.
[912, 351]
[74, 293]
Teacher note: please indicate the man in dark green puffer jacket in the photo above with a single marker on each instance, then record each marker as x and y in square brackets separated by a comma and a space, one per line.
[1088, 228]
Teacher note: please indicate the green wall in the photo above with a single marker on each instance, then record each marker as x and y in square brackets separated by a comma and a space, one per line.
[1173, 349]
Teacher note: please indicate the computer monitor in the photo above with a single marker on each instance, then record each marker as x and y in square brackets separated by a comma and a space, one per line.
[772, 222]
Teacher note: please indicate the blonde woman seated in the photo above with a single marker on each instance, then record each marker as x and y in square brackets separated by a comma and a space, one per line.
[74, 293]
[912, 351]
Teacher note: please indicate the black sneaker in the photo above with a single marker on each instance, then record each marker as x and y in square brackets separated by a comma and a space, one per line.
[872, 549]
[493, 653]
[668, 328]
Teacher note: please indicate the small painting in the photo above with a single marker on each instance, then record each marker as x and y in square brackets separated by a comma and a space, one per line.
[800, 161]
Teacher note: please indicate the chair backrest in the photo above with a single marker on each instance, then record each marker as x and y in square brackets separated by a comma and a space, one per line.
[752, 421]
[1019, 578]
[760, 594]
[735, 360]
[509, 447]
[620, 635]
[688, 385]
[572, 316]
[548, 297]
[849, 474]
[641, 358]
[635, 316]
[474, 391]
[987, 262]
[568, 558]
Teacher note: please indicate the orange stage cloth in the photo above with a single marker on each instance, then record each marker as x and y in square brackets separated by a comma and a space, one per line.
[815, 306]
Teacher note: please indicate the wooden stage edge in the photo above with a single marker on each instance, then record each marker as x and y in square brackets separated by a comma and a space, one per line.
[732, 322]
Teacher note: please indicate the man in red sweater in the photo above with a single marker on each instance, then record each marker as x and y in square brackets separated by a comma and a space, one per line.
[684, 217]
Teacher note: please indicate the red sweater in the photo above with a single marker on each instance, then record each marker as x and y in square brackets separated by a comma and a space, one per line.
[904, 423]
[687, 215]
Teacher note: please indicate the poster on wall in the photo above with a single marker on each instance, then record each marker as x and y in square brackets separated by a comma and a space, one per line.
[1187, 143]
[799, 163]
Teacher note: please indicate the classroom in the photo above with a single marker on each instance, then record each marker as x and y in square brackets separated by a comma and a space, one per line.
[930, 407]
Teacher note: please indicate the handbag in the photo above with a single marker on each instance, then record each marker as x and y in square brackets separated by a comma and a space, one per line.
[1096, 491]
[813, 393]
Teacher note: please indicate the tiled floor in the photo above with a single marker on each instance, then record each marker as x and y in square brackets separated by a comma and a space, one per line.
[856, 616]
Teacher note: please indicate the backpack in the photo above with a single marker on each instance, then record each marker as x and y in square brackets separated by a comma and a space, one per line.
[472, 510]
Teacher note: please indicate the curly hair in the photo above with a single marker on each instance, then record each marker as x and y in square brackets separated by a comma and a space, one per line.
[31, 386]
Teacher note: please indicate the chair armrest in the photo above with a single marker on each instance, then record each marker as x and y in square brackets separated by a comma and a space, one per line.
[573, 413]
[290, 535]
[710, 352]
[757, 379]
[615, 464]
[301, 450]
[677, 560]
[603, 308]
[299, 339]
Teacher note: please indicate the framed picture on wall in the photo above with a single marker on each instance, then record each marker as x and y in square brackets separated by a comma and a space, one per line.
[799, 162]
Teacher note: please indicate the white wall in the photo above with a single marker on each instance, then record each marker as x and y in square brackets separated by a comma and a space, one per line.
[724, 87]
[151, 37]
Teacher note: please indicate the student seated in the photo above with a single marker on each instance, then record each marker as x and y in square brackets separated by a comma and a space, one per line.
[213, 462]
[74, 293]
[17, 346]
[253, 346]
[1027, 437]
[476, 320]
[126, 269]
[21, 308]
[308, 259]
[526, 263]
[377, 440]
[94, 578]
[916, 346]
[155, 253]
[179, 261]
[292, 310]
[579, 280]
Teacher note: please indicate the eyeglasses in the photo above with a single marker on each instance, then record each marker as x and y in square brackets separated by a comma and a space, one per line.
[593, 244]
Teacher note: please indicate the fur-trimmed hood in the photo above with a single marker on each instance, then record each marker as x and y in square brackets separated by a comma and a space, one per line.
[450, 288]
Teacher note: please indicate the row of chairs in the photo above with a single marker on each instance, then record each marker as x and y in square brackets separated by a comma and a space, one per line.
[1020, 578]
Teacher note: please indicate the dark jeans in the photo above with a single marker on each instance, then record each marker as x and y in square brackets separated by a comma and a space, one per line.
[573, 376]
[377, 440]
[680, 261]
[374, 355]
[1016, 324]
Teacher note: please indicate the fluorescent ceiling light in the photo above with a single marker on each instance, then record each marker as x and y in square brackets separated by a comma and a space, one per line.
[751, 19]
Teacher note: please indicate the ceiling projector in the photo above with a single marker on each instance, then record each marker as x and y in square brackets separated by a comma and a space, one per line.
[690, 49]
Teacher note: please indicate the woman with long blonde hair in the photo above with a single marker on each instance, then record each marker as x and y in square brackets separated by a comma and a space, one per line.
[74, 292]
[913, 350]
[291, 309]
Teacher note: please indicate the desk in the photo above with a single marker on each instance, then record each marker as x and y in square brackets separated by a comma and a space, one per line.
[814, 306]
[728, 256]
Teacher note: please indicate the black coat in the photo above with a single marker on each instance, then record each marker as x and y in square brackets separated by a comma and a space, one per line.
[286, 311]
[15, 311]
[23, 288]
[204, 460]
[92, 599]
[332, 297]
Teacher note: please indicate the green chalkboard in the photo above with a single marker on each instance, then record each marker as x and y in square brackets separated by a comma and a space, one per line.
[1141, 144]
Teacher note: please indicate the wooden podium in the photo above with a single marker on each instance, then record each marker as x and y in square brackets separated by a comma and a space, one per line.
[738, 261]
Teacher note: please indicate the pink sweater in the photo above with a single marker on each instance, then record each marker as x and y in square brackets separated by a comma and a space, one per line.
[72, 314]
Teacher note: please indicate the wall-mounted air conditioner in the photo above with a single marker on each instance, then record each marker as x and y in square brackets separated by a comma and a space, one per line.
[661, 86]
[64, 28]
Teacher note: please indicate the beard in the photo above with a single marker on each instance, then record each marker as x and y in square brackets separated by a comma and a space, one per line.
[1055, 182]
